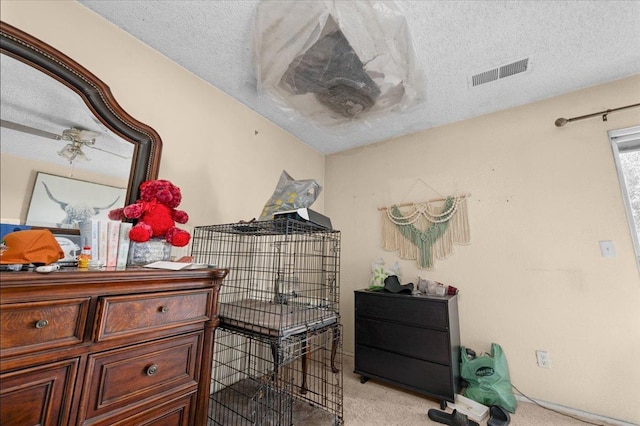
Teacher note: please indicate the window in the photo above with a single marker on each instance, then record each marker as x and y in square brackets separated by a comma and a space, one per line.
[625, 144]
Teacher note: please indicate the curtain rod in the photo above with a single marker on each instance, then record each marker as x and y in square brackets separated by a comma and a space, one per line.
[562, 121]
[432, 200]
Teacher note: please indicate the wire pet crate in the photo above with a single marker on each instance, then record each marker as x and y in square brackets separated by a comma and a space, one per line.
[279, 346]
[283, 274]
[306, 387]
[244, 389]
[316, 372]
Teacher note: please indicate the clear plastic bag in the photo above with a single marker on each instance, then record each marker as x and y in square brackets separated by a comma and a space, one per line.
[291, 194]
[379, 272]
[334, 61]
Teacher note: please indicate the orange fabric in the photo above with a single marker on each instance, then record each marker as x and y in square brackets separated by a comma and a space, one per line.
[31, 246]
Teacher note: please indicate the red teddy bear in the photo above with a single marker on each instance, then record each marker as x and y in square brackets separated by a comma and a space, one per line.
[156, 213]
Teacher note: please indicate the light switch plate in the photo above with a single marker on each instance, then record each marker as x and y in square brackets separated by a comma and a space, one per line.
[607, 249]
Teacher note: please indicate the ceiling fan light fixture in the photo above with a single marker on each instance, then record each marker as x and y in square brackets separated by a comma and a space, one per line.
[86, 137]
[73, 151]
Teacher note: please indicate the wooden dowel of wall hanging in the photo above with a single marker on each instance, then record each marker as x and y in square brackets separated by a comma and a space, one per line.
[433, 200]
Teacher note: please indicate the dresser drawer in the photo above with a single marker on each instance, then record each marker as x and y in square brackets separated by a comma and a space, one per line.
[29, 327]
[141, 374]
[419, 311]
[423, 343]
[38, 396]
[130, 315]
[418, 375]
[176, 412]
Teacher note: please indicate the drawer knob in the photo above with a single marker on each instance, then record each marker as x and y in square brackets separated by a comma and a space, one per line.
[152, 369]
[164, 309]
[42, 323]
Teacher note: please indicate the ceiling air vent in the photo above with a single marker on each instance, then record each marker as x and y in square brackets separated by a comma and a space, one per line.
[500, 72]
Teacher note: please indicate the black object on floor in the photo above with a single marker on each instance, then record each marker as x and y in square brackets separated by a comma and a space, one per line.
[454, 419]
[498, 416]
[392, 284]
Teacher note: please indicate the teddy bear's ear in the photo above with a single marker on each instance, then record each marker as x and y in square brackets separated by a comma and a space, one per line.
[148, 190]
[177, 195]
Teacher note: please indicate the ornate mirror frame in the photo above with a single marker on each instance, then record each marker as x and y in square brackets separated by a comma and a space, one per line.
[96, 95]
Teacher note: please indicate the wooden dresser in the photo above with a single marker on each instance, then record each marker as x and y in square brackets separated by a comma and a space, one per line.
[409, 341]
[107, 347]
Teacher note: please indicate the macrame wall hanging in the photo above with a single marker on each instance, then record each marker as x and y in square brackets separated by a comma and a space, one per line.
[426, 231]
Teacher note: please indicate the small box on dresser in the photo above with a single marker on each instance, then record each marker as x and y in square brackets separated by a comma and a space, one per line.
[411, 341]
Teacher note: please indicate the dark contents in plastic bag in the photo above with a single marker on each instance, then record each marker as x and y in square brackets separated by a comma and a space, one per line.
[331, 70]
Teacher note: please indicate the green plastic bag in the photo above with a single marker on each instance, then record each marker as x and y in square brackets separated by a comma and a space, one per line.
[488, 377]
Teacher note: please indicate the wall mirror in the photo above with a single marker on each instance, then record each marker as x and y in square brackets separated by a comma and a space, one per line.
[59, 119]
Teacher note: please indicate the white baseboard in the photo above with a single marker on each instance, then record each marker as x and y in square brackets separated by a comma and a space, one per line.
[596, 418]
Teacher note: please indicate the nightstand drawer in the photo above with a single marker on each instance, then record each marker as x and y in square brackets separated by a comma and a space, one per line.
[415, 374]
[29, 327]
[129, 315]
[423, 343]
[419, 311]
[141, 374]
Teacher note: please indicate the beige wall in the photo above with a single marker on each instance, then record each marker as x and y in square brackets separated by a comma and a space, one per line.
[532, 278]
[210, 149]
[542, 198]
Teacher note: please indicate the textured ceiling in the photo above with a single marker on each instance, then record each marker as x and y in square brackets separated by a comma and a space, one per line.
[570, 45]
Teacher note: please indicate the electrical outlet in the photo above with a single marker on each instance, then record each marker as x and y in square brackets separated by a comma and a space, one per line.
[544, 360]
[607, 249]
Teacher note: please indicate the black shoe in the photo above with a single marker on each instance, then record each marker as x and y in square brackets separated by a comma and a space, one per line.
[453, 419]
[392, 284]
[498, 416]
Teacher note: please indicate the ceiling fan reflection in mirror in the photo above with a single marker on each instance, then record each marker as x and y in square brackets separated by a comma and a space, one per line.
[77, 139]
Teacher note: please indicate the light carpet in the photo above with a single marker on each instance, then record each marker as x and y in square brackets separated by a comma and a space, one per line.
[376, 404]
